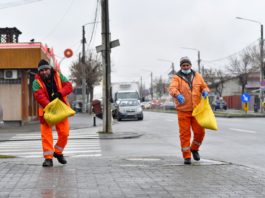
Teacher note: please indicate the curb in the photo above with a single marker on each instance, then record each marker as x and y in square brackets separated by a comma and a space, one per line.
[119, 135]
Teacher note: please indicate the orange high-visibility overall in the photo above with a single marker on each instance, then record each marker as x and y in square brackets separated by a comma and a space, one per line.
[62, 129]
[186, 122]
[192, 94]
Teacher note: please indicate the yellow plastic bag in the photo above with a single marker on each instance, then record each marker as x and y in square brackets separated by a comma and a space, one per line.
[56, 111]
[204, 115]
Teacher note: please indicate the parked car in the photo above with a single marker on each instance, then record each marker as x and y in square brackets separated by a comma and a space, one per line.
[169, 105]
[129, 109]
[77, 106]
[219, 104]
[146, 105]
[156, 104]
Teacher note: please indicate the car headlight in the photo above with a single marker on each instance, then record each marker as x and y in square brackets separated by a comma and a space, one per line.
[139, 110]
[122, 110]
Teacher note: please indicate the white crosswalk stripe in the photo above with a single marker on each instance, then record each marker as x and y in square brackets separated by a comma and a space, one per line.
[80, 144]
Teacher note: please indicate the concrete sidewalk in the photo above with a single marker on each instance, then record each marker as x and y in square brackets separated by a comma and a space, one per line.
[157, 177]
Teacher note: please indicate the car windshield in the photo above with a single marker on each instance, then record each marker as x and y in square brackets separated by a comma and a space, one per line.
[124, 103]
[125, 95]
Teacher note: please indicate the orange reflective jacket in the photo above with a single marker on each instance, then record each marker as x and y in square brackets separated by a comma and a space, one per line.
[191, 92]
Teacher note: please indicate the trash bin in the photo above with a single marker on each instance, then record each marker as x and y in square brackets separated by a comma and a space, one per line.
[1, 116]
[96, 108]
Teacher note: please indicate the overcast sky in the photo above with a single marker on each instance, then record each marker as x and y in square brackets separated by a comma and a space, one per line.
[148, 30]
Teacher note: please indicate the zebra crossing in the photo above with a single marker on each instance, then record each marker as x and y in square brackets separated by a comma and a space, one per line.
[81, 143]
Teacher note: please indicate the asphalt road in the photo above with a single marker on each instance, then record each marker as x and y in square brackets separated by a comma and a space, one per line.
[238, 140]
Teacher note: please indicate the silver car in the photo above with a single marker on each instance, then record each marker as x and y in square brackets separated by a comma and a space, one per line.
[129, 109]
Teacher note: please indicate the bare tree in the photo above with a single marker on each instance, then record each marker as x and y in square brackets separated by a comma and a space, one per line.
[242, 65]
[215, 79]
[93, 73]
[254, 53]
[160, 87]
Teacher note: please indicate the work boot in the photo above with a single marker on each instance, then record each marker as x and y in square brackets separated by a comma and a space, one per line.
[60, 158]
[47, 163]
[195, 155]
[187, 161]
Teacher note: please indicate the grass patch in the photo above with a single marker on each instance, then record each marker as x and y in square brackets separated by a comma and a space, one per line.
[7, 156]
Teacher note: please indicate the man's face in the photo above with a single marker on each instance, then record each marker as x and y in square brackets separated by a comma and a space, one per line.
[185, 66]
[45, 74]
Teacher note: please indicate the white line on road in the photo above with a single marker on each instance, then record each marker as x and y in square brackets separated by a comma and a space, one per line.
[242, 130]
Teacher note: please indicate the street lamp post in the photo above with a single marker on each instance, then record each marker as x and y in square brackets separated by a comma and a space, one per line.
[151, 83]
[261, 59]
[173, 71]
[199, 57]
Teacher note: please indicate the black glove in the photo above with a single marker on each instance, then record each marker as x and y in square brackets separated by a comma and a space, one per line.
[56, 95]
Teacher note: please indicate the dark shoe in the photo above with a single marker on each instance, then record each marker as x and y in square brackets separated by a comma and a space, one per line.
[60, 158]
[187, 161]
[195, 155]
[47, 163]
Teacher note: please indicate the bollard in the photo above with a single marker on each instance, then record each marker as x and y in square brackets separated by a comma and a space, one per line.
[1, 116]
[94, 120]
[256, 108]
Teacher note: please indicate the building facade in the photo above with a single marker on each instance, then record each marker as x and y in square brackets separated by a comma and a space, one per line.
[18, 65]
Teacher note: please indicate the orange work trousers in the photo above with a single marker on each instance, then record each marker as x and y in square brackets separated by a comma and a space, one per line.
[62, 129]
[187, 122]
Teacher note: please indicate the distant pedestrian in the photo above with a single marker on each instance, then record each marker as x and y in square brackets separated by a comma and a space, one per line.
[48, 85]
[187, 87]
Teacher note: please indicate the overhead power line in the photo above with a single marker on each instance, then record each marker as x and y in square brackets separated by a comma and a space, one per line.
[94, 25]
[234, 54]
[17, 3]
[59, 21]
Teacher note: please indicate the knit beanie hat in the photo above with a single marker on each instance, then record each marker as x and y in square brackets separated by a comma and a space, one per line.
[184, 59]
[43, 64]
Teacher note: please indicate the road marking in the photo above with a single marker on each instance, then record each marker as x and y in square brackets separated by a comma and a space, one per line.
[86, 147]
[171, 120]
[242, 130]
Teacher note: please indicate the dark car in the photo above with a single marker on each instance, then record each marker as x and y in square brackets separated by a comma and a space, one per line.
[219, 104]
[77, 106]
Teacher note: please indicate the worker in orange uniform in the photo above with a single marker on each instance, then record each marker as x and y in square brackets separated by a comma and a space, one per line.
[48, 85]
[187, 87]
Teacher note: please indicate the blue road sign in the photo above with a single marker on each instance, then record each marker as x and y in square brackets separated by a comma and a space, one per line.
[245, 97]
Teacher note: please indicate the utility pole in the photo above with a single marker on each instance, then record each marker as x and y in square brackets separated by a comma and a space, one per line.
[151, 87]
[107, 125]
[199, 56]
[262, 83]
[261, 68]
[172, 72]
[141, 87]
[199, 61]
[83, 71]
[173, 68]
[105, 51]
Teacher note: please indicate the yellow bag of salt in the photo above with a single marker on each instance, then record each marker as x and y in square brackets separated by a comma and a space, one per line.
[204, 115]
[56, 111]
